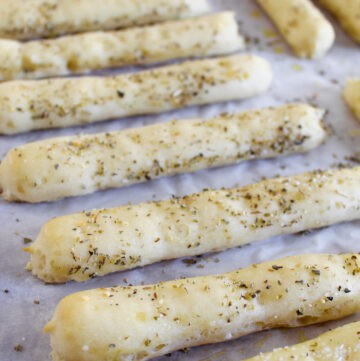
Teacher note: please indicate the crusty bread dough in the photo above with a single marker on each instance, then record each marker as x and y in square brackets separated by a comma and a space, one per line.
[352, 95]
[27, 105]
[348, 13]
[142, 322]
[38, 18]
[303, 26]
[340, 344]
[75, 165]
[210, 35]
[84, 245]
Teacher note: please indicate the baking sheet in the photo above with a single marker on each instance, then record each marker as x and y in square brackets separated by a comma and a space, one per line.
[26, 304]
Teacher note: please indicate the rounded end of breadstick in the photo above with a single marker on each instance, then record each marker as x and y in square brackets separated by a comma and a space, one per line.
[325, 126]
[318, 128]
[58, 334]
[318, 43]
[228, 33]
[352, 95]
[71, 337]
[319, 114]
[308, 129]
[13, 177]
[62, 251]
[51, 259]
[39, 267]
[11, 59]
[198, 7]
[14, 115]
[48, 258]
[244, 76]
[29, 174]
[259, 75]
[324, 39]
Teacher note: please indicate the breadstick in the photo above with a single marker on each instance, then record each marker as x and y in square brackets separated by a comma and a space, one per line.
[303, 26]
[205, 36]
[348, 13]
[38, 18]
[69, 166]
[343, 343]
[27, 105]
[84, 245]
[142, 322]
[352, 95]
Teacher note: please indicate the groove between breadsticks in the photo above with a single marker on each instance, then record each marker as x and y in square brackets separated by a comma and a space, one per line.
[303, 26]
[38, 18]
[342, 343]
[63, 167]
[348, 13]
[204, 36]
[352, 95]
[28, 105]
[84, 245]
[142, 322]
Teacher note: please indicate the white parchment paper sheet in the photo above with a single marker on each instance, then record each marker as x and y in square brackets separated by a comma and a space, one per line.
[319, 82]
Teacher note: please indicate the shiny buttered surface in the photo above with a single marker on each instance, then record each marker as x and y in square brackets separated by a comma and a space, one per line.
[142, 322]
[84, 245]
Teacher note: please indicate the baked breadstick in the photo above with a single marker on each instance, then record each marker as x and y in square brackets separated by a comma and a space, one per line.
[348, 13]
[84, 245]
[205, 36]
[303, 26]
[69, 166]
[343, 343]
[142, 322]
[38, 18]
[27, 105]
[352, 95]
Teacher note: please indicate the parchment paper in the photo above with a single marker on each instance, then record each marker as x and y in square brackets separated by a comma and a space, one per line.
[26, 304]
